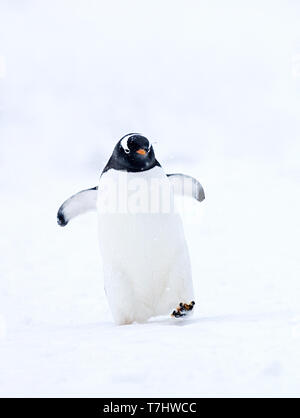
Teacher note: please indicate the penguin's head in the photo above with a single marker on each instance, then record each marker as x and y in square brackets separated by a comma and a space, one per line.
[134, 153]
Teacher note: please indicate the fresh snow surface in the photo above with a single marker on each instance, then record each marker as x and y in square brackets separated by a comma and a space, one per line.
[218, 87]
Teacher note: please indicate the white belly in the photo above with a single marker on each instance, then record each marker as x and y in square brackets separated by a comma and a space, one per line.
[146, 262]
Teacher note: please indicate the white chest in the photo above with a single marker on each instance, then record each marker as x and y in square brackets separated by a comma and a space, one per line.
[146, 192]
[137, 220]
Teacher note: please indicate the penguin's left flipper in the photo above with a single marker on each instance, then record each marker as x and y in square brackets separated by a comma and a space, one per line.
[82, 202]
[184, 185]
[183, 309]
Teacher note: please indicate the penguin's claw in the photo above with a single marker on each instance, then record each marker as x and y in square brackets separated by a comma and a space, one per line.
[183, 309]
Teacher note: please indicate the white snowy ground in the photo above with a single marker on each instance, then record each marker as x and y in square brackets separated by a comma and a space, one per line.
[243, 338]
[217, 84]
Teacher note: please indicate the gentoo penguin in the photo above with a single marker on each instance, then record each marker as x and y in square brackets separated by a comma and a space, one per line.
[146, 262]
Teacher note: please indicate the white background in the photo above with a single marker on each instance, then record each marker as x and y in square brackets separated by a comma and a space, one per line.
[216, 83]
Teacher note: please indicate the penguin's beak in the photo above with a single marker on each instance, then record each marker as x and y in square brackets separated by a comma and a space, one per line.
[141, 151]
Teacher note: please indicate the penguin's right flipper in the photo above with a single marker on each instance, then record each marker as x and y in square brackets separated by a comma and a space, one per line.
[82, 202]
[184, 185]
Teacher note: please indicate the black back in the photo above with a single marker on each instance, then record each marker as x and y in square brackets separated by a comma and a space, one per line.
[130, 159]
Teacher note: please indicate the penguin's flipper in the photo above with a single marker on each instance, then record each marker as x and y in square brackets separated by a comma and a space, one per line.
[184, 185]
[80, 203]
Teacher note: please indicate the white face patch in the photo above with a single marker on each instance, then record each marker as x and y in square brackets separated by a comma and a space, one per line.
[124, 142]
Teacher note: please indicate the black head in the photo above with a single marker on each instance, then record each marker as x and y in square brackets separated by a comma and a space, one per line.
[133, 153]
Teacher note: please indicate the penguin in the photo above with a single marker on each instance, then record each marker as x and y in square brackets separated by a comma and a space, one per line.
[146, 263]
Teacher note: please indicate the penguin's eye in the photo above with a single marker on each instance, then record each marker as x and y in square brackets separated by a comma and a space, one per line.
[127, 151]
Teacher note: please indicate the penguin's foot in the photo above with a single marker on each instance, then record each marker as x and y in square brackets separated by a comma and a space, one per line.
[183, 309]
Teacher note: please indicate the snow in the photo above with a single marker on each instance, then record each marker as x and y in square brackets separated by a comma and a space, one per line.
[223, 108]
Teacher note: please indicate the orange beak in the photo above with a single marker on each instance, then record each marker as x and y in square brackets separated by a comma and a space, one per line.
[141, 151]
